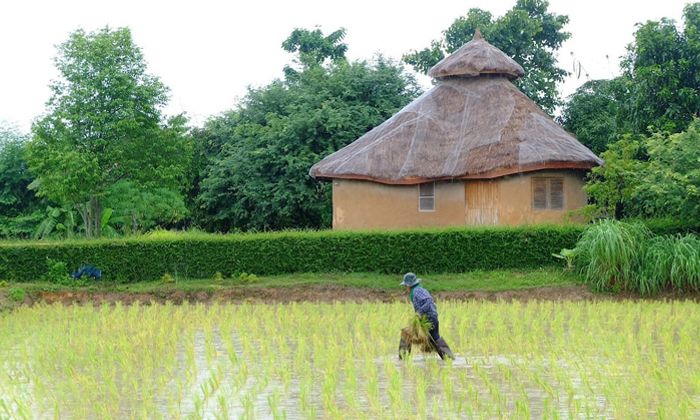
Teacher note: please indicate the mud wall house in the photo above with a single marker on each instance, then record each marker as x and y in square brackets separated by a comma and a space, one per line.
[473, 150]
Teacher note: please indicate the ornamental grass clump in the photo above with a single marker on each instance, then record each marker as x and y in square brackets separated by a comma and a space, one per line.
[615, 256]
[685, 271]
[417, 333]
[611, 254]
[671, 262]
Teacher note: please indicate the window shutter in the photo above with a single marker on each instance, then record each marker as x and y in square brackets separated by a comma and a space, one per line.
[556, 194]
[539, 193]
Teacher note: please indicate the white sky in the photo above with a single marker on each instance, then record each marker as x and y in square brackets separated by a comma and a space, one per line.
[208, 51]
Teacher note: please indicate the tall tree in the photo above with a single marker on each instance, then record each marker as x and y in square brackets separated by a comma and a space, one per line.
[528, 33]
[591, 114]
[649, 170]
[103, 124]
[260, 180]
[313, 49]
[662, 68]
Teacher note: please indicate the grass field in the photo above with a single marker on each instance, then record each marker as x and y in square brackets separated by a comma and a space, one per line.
[620, 360]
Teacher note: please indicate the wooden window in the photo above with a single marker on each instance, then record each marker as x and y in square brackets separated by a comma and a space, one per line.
[426, 197]
[547, 193]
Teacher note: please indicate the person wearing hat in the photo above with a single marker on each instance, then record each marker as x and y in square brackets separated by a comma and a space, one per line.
[424, 305]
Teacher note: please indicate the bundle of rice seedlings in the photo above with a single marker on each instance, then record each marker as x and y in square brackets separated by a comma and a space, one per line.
[417, 333]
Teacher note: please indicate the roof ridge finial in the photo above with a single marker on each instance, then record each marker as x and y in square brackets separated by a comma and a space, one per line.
[477, 34]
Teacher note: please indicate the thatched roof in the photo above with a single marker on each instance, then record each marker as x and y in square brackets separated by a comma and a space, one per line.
[475, 58]
[464, 127]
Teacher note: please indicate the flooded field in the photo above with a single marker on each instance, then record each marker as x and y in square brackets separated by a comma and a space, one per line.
[576, 360]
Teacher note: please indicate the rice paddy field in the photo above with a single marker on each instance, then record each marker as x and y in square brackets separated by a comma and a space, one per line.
[539, 360]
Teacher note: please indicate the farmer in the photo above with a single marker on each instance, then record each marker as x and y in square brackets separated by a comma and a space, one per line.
[424, 305]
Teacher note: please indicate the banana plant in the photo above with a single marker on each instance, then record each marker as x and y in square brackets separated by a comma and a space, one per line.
[567, 255]
[61, 220]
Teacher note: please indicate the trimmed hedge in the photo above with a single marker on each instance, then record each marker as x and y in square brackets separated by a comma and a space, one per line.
[201, 255]
[193, 255]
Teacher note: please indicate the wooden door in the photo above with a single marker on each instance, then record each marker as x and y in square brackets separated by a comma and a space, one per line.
[482, 202]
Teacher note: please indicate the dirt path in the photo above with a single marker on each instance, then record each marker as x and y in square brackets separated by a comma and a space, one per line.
[325, 293]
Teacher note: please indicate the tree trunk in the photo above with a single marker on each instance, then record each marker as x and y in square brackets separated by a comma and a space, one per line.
[84, 210]
[98, 217]
[91, 211]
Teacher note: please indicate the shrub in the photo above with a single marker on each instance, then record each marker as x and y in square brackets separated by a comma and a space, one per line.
[58, 272]
[17, 294]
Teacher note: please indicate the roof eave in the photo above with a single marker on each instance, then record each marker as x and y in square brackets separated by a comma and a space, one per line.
[496, 173]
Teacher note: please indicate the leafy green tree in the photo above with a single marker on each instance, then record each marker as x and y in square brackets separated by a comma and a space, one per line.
[528, 33]
[663, 72]
[260, 179]
[650, 171]
[591, 114]
[612, 188]
[140, 207]
[104, 124]
[671, 182]
[20, 209]
[313, 49]
[208, 143]
[653, 176]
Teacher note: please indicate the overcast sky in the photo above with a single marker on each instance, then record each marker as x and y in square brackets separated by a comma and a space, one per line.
[209, 51]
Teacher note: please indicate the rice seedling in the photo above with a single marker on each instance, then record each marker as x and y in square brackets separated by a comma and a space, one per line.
[523, 360]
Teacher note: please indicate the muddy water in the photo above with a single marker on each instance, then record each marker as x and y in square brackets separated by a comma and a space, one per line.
[513, 362]
[220, 389]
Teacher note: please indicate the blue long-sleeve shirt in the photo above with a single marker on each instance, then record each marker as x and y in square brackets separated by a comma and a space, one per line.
[423, 302]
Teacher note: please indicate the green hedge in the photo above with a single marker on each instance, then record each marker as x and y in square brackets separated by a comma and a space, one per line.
[201, 255]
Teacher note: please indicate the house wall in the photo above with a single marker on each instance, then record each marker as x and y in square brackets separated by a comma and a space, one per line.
[515, 192]
[502, 201]
[371, 205]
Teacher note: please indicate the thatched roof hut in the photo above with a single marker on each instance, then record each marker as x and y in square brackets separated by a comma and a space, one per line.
[474, 124]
